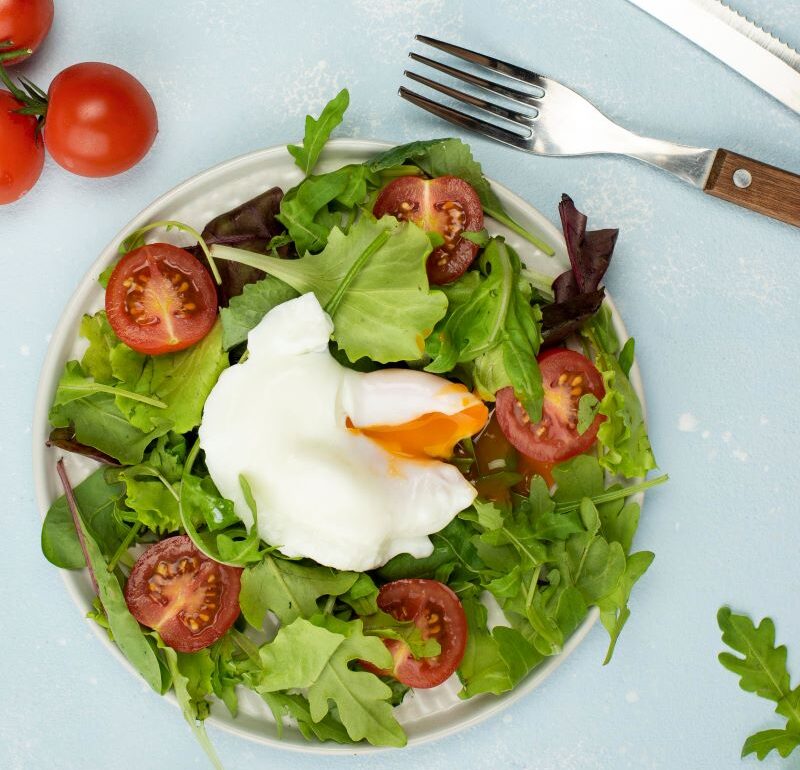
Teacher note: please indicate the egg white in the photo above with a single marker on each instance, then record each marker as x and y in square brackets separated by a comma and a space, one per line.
[324, 491]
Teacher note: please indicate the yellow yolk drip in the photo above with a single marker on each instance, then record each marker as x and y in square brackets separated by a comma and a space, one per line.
[430, 435]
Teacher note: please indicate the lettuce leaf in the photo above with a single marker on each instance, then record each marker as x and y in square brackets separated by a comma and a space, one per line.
[372, 281]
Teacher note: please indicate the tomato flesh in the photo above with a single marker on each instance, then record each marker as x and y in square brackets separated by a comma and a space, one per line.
[160, 299]
[188, 598]
[100, 120]
[25, 23]
[438, 613]
[446, 205]
[566, 376]
[21, 153]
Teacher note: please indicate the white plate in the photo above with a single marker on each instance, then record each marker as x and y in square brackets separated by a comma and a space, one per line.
[426, 714]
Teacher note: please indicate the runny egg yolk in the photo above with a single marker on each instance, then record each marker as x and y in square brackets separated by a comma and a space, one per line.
[429, 435]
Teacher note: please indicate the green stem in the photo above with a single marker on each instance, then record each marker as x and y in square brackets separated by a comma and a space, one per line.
[124, 545]
[328, 608]
[134, 239]
[97, 387]
[615, 494]
[333, 303]
[9, 55]
[506, 220]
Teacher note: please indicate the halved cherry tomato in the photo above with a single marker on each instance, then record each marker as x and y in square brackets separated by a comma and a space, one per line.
[25, 23]
[446, 205]
[188, 598]
[21, 152]
[100, 120]
[438, 613]
[566, 376]
[160, 299]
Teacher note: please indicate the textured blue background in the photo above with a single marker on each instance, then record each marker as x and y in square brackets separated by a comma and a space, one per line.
[710, 293]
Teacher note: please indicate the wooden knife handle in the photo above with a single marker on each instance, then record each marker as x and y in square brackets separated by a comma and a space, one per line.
[756, 186]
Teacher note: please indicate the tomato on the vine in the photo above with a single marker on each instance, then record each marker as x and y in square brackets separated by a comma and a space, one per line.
[437, 612]
[189, 599]
[446, 205]
[21, 150]
[160, 299]
[567, 376]
[100, 120]
[23, 24]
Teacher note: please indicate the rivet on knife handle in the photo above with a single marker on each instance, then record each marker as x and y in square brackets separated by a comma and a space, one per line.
[756, 186]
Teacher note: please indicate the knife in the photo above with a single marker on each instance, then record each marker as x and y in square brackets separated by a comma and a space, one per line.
[745, 47]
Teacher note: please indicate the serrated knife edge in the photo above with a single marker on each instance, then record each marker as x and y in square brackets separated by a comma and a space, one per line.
[755, 32]
[735, 41]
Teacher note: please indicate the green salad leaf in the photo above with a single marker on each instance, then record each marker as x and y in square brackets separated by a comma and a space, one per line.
[98, 501]
[374, 276]
[316, 655]
[451, 157]
[318, 132]
[492, 330]
[623, 434]
[290, 589]
[761, 668]
[246, 310]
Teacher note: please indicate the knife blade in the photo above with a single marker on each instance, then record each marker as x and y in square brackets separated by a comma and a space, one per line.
[745, 47]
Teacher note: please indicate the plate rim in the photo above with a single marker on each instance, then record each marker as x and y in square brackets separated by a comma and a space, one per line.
[48, 376]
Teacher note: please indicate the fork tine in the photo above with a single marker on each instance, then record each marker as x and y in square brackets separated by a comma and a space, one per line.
[496, 65]
[467, 121]
[476, 80]
[475, 101]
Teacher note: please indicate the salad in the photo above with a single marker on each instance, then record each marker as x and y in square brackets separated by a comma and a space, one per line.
[337, 430]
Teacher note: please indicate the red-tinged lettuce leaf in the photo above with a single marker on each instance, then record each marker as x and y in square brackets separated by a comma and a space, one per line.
[577, 291]
[251, 226]
[64, 438]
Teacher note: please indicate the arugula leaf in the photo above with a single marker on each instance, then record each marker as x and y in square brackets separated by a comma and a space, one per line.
[290, 589]
[318, 132]
[191, 680]
[316, 654]
[451, 157]
[587, 411]
[246, 310]
[761, 668]
[329, 728]
[493, 661]
[492, 329]
[98, 501]
[385, 308]
[309, 210]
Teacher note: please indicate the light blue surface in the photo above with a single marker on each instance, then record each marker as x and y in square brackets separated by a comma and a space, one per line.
[710, 293]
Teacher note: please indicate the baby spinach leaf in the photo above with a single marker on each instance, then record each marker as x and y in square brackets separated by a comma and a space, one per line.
[97, 500]
[246, 310]
[290, 589]
[386, 309]
[64, 438]
[761, 668]
[318, 132]
[317, 655]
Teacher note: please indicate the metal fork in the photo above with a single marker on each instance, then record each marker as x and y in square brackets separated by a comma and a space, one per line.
[550, 119]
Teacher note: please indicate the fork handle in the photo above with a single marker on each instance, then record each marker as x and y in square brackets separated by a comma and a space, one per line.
[756, 186]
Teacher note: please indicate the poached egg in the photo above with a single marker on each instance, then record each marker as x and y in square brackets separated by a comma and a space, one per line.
[345, 467]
